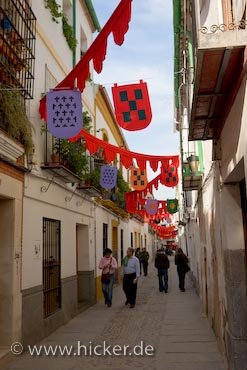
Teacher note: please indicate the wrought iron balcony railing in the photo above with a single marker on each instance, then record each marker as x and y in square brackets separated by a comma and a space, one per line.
[17, 46]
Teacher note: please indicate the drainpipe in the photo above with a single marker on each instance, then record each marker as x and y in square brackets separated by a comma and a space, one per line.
[183, 84]
[74, 30]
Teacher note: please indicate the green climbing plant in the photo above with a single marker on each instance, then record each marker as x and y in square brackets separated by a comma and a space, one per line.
[122, 187]
[56, 13]
[73, 154]
[69, 33]
[55, 9]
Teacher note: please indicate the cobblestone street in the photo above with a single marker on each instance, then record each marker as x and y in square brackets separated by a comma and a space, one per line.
[172, 323]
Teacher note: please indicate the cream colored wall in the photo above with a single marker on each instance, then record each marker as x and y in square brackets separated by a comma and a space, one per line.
[52, 31]
[234, 134]
[54, 52]
[10, 255]
[53, 204]
[101, 123]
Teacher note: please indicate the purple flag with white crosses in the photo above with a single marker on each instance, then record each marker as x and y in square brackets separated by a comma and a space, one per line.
[64, 113]
[108, 177]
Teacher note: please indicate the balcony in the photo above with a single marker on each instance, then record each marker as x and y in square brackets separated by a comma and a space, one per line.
[112, 206]
[17, 46]
[64, 160]
[220, 59]
[192, 177]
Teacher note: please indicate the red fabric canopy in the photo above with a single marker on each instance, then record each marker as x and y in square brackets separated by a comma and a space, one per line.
[126, 156]
[118, 25]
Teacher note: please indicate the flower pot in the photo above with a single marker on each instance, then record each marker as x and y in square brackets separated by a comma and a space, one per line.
[193, 163]
[186, 169]
[55, 158]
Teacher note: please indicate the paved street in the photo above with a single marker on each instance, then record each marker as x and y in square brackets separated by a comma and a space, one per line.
[172, 323]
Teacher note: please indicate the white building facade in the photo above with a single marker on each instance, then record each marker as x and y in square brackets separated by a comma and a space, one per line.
[213, 92]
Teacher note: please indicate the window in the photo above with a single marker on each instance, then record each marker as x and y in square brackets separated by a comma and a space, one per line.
[49, 140]
[105, 236]
[135, 239]
[68, 11]
[50, 81]
[83, 42]
[51, 266]
[131, 240]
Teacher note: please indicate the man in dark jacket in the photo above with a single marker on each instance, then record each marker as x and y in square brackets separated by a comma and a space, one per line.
[144, 260]
[181, 260]
[162, 264]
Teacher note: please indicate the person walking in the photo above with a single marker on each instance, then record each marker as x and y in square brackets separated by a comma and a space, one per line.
[138, 254]
[162, 264]
[181, 260]
[108, 265]
[131, 273]
[144, 259]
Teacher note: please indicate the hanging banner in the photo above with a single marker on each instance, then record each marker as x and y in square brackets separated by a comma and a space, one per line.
[126, 156]
[130, 203]
[172, 205]
[152, 206]
[108, 177]
[138, 178]
[118, 25]
[132, 106]
[170, 176]
[64, 113]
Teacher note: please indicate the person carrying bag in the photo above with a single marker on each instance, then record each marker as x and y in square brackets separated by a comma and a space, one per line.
[108, 265]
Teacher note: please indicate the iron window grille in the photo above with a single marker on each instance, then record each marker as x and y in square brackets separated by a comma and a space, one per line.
[17, 46]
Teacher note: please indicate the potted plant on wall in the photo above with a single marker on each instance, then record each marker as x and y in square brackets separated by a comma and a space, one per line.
[71, 155]
[14, 118]
[92, 178]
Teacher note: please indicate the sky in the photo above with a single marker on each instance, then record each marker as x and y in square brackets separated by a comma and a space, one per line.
[146, 54]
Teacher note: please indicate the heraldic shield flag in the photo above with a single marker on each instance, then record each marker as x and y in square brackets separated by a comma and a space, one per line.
[152, 206]
[108, 177]
[138, 179]
[172, 205]
[64, 113]
[132, 106]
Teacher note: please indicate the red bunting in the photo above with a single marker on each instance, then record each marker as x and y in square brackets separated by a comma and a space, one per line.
[126, 156]
[118, 25]
[165, 232]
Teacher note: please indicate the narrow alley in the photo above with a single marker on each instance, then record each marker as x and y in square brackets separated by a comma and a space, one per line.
[172, 323]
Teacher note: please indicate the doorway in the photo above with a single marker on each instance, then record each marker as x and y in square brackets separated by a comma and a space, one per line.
[84, 291]
[122, 245]
[242, 185]
[7, 232]
[206, 280]
[115, 245]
